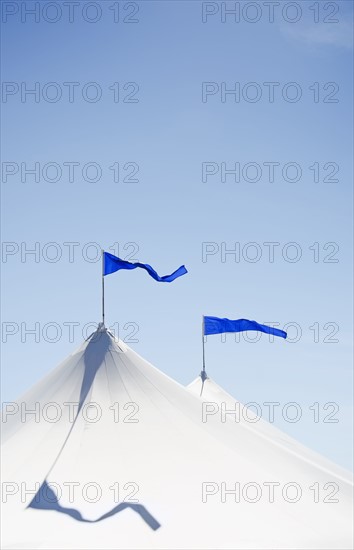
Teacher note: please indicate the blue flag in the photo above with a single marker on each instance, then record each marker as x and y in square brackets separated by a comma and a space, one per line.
[112, 263]
[215, 325]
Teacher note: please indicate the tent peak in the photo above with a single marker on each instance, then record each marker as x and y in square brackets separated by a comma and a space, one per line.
[99, 330]
[203, 375]
[104, 338]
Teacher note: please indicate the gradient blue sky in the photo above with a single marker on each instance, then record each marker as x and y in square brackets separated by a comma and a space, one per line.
[170, 212]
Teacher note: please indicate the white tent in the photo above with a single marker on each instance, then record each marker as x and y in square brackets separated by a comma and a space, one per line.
[216, 400]
[109, 429]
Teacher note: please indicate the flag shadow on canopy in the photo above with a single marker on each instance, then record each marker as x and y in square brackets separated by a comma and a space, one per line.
[46, 499]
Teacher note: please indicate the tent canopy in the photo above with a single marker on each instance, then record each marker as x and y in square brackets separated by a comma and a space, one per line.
[118, 456]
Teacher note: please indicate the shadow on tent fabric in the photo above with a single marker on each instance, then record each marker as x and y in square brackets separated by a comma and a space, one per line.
[94, 355]
[46, 499]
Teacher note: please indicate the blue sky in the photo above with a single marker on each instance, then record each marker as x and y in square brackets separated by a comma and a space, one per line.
[168, 133]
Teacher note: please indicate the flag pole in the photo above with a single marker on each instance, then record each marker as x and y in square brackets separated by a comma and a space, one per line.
[203, 374]
[203, 345]
[103, 287]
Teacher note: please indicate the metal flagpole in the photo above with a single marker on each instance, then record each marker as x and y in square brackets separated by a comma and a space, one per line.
[203, 345]
[103, 287]
[203, 374]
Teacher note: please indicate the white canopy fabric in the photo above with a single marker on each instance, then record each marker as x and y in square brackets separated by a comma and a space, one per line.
[110, 429]
[211, 393]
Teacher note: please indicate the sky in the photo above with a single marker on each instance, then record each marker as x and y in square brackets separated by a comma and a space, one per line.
[138, 110]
